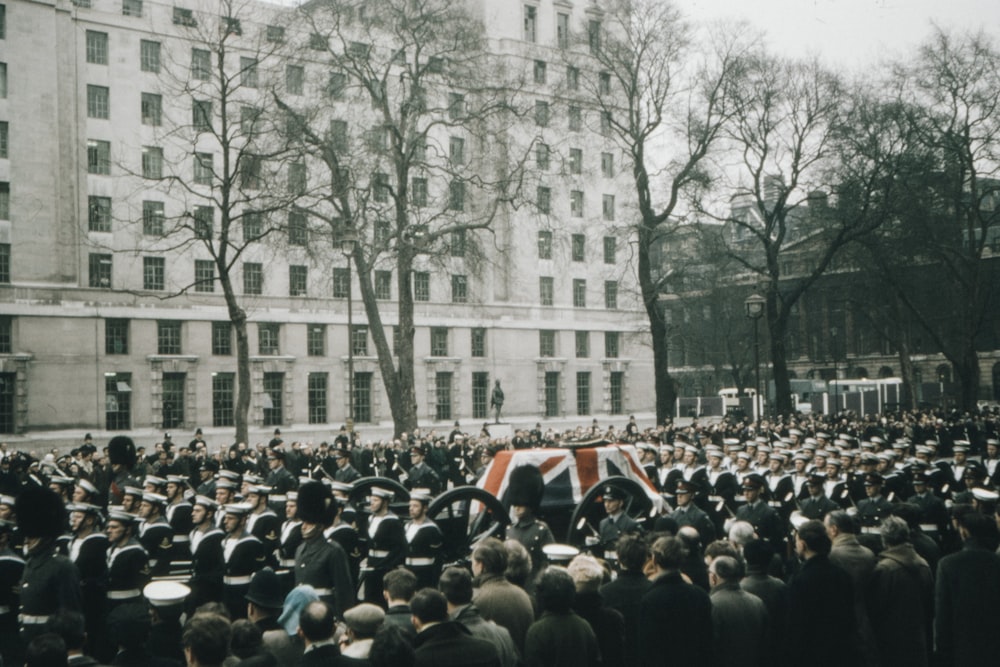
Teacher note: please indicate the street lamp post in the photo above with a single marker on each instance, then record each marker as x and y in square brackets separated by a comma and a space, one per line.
[755, 310]
[348, 243]
[836, 375]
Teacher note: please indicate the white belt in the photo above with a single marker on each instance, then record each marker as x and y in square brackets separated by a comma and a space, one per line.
[181, 538]
[278, 499]
[419, 561]
[929, 527]
[32, 619]
[124, 595]
[774, 503]
[869, 529]
[287, 562]
[323, 591]
[4, 609]
[236, 581]
[378, 553]
[715, 499]
[610, 555]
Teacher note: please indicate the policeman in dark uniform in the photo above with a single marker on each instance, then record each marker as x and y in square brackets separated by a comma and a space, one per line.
[128, 562]
[758, 513]
[262, 522]
[279, 479]
[155, 534]
[345, 471]
[178, 515]
[615, 524]
[424, 540]
[525, 488]
[207, 562]
[319, 562]
[244, 554]
[206, 478]
[49, 582]
[386, 545]
[421, 475]
[875, 507]
[933, 517]
[816, 505]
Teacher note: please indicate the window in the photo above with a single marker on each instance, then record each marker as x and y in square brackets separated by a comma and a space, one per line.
[611, 342]
[604, 83]
[5, 263]
[201, 115]
[248, 72]
[478, 340]
[153, 273]
[341, 283]
[459, 289]
[594, 35]
[201, 64]
[380, 187]
[362, 397]
[203, 168]
[338, 135]
[578, 243]
[575, 160]
[3, 81]
[97, 47]
[267, 338]
[317, 42]
[297, 178]
[480, 394]
[530, 23]
[4, 139]
[583, 393]
[98, 211]
[168, 337]
[338, 83]
[552, 394]
[383, 285]
[607, 165]
[253, 278]
[274, 389]
[5, 202]
[98, 157]
[204, 275]
[359, 49]
[149, 56]
[421, 286]
[117, 401]
[253, 225]
[116, 336]
[298, 277]
[456, 151]
[383, 231]
[294, 76]
[222, 339]
[579, 293]
[456, 244]
[132, 7]
[576, 203]
[184, 17]
[3, 21]
[223, 395]
[456, 195]
[562, 30]
[297, 231]
[152, 162]
[317, 398]
[541, 113]
[606, 123]
[6, 335]
[151, 109]
[543, 199]
[617, 392]
[610, 249]
[250, 170]
[582, 344]
[275, 34]
[204, 222]
[608, 207]
[98, 102]
[439, 342]
[540, 71]
[456, 105]
[542, 154]
[316, 340]
[544, 244]
[575, 118]
[442, 391]
[611, 294]
[100, 271]
[248, 120]
[546, 290]
[173, 399]
[546, 343]
[573, 78]
[418, 191]
[232, 26]
[152, 218]
[359, 340]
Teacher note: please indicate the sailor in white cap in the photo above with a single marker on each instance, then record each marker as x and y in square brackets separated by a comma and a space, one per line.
[424, 541]
[262, 522]
[386, 544]
[155, 534]
[128, 562]
[244, 554]
[207, 562]
[178, 514]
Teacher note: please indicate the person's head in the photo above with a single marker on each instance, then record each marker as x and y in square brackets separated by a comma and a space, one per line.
[247, 638]
[206, 639]
[399, 585]
[894, 531]
[317, 622]
[632, 550]
[811, 539]
[118, 530]
[725, 570]
[586, 572]
[428, 606]
[555, 591]
[839, 522]
[518, 568]
[720, 548]
[456, 584]
[668, 553]
[391, 648]
[741, 532]
[490, 557]
[758, 555]
[46, 650]
[364, 620]
[971, 524]
[71, 626]
[234, 521]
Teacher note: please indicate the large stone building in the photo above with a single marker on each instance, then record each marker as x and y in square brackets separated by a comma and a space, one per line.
[107, 324]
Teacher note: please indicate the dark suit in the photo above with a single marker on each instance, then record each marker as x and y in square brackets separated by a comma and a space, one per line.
[966, 614]
[625, 594]
[675, 624]
[321, 656]
[449, 644]
[821, 604]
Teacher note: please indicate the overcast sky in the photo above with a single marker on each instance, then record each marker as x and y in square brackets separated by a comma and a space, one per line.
[850, 33]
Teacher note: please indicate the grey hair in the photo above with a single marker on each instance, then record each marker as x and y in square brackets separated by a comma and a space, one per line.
[894, 531]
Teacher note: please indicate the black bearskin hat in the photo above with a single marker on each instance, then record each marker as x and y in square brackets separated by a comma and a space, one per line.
[525, 487]
[121, 451]
[40, 512]
[316, 504]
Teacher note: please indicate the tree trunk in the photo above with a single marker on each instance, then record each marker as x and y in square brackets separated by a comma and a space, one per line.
[908, 374]
[241, 411]
[777, 325]
[968, 378]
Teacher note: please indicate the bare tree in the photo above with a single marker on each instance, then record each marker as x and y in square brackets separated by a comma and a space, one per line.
[416, 151]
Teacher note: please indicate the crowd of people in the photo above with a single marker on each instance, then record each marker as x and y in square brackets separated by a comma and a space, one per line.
[853, 540]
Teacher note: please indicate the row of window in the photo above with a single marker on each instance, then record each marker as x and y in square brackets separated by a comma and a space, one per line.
[540, 70]
[574, 117]
[578, 247]
[546, 292]
[543, 160]
[543, 202]
[562, 29]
